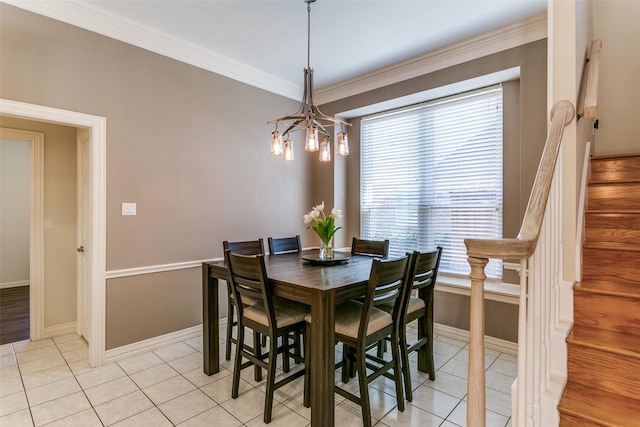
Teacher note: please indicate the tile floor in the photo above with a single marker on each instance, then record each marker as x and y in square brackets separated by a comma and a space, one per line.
[50, 383]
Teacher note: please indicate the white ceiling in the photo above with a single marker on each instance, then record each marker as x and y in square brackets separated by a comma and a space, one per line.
[264, 42]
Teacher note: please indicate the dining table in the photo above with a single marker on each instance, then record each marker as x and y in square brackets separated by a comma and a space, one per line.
[301, 277]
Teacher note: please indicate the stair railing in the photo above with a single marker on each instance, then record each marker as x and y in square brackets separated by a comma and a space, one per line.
[588, 101]
[479, 251]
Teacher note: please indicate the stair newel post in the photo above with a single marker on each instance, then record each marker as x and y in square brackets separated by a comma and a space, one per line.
[476, 400]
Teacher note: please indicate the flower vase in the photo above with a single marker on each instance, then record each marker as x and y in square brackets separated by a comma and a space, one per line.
[326, 250]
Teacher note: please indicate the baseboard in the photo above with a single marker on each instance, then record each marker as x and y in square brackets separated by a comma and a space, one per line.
[140, 347]
[14, 284]
[492, 343]
[57, 330]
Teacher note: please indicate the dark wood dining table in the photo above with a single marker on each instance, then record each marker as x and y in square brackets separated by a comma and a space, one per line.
[320, 286]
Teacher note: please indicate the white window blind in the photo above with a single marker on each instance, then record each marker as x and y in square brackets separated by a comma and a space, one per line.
[431, 175]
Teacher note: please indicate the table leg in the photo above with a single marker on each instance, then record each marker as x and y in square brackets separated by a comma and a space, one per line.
[210, 332]
[322, 359]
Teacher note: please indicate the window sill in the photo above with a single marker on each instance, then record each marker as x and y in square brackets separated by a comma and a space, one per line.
[494, 290]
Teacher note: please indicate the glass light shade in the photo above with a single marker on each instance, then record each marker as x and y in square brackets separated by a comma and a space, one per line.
[342, 149]
[276, 143]
[325, 150]
[287, 153]
[311, 143]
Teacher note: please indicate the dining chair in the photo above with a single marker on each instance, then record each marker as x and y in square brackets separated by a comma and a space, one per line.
[419, 307]
[284, 245]
[378, 248]
[250, 247]
[360, 324]
[270, 316]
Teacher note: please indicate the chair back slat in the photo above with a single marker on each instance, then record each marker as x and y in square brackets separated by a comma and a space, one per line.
[250, 247]
[284, 245]
[378, 248]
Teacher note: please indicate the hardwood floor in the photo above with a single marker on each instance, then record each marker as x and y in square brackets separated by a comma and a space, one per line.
[14, 314]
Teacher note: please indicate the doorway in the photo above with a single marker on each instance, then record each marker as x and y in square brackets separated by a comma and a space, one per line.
[95, 253]
[21, 237]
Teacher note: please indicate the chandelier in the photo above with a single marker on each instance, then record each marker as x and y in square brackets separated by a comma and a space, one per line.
[308, 118]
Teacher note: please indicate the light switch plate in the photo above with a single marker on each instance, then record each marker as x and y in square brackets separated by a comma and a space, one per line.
[128, 209]
[48, 223]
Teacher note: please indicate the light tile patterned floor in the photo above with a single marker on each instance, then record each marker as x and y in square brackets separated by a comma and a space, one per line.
[50, 383]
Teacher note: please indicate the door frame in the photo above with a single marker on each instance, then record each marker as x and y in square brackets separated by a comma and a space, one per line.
[97, 127]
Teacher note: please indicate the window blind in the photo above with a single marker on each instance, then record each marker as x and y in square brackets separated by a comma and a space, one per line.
[431, 175]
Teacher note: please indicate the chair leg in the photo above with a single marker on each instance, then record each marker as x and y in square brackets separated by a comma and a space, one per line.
[257, 351]
[237, 363]
[286, 367]
[271, 378]
[382, 348]
[406, 369]
[230, 324]
[397, 374]
[348, 363]
[365, 404]
[298, 341]
[425, 352]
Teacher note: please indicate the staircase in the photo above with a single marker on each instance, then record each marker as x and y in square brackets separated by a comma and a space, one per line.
[603, 348]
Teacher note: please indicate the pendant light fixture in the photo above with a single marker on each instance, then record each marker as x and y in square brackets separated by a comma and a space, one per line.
[309, 118]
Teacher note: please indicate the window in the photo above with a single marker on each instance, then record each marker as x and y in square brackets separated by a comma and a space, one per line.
[431, 175]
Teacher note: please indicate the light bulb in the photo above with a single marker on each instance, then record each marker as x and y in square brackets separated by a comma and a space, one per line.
[276, 143]
[342, 149]
[287, 154]
[311, 143]
[325, 150]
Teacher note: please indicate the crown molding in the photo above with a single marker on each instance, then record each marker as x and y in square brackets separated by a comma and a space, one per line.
[489, 43]
[90, 18]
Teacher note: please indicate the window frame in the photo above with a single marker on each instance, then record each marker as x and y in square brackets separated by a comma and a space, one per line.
[461, 268]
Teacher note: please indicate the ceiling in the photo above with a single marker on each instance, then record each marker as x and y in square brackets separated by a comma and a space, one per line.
[264, 42]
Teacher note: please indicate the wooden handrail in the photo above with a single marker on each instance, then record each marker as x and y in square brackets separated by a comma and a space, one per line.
[588, 100]
[479, 251]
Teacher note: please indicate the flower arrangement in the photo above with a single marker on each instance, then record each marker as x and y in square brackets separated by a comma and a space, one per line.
[324, 226]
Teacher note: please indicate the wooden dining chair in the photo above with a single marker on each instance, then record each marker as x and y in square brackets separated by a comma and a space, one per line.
[360, 324]
[419, 306]
[379, 248]
[270, 316]
[284, 245]
[250, 247]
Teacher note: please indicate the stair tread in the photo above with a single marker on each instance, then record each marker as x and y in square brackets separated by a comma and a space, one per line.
[594, 182]
[614, 156]
[623, 289]
[610, 341]
[599, 406]
[620, 212]
[612, 246]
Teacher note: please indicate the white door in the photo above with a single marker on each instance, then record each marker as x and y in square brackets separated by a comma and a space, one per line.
[84, 244]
